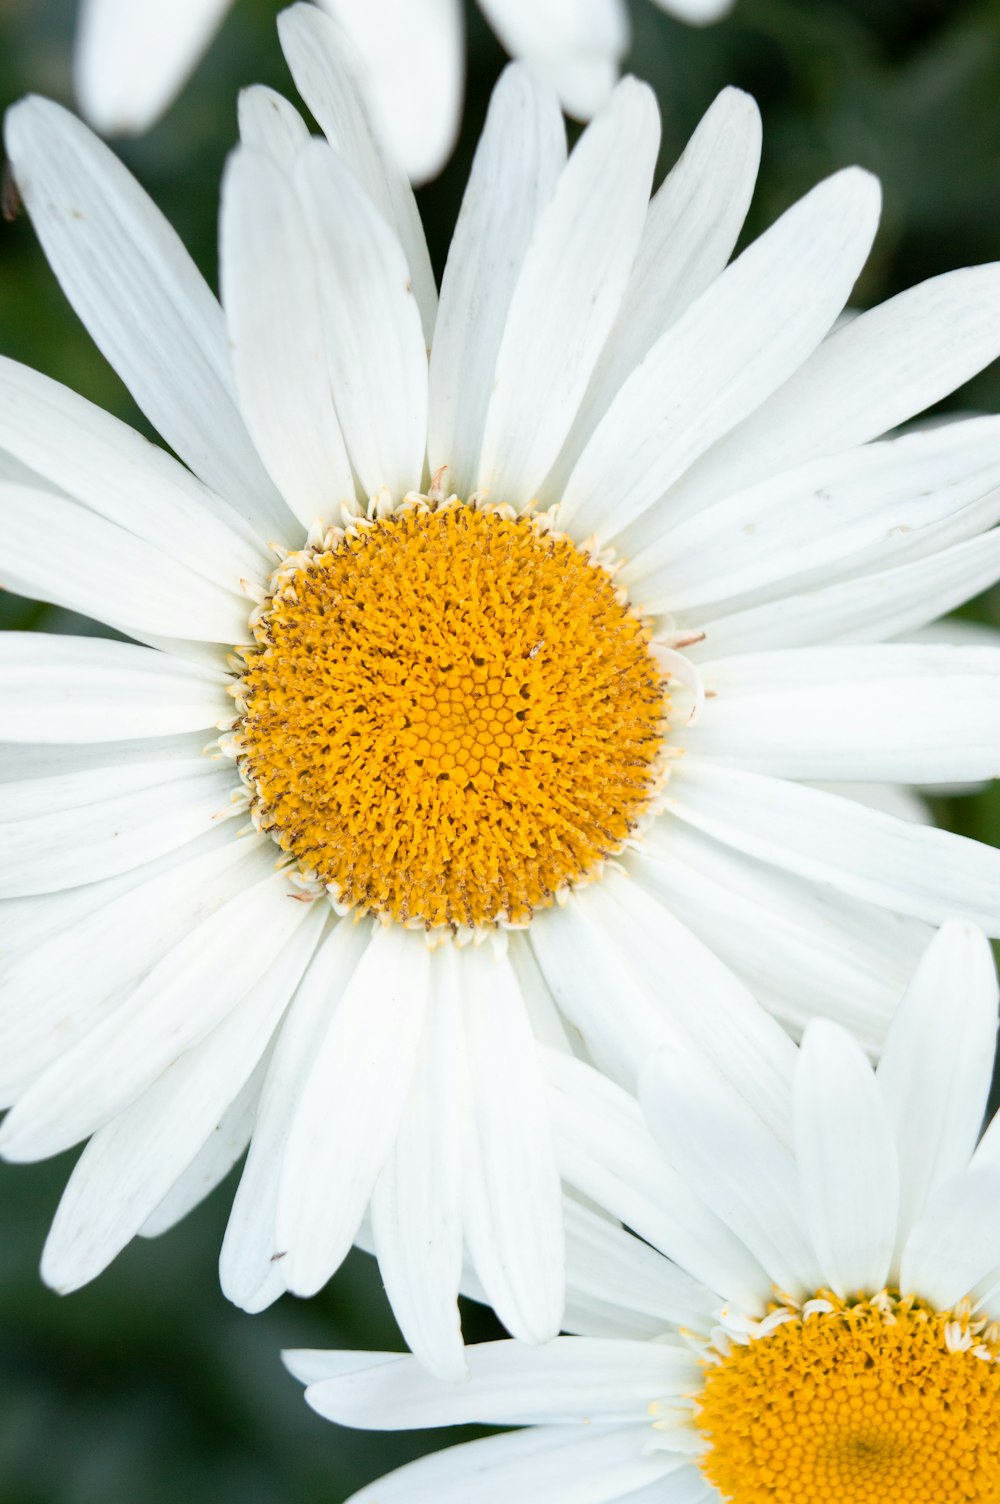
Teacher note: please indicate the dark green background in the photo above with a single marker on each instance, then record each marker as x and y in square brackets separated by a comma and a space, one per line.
[148, 1388]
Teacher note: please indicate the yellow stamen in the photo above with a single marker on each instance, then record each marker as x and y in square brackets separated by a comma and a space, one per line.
[450, 715]
[885, 1401]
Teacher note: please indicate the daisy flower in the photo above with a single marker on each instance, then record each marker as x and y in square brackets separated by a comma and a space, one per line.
[132, 59]
[428, 618]
[831, 1329]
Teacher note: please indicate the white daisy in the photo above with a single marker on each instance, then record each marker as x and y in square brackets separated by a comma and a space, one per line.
[133, 57]
[833, 1330]
[451, 709]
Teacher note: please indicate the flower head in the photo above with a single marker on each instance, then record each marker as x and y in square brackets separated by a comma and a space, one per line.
[514, 668]
[846, 1344]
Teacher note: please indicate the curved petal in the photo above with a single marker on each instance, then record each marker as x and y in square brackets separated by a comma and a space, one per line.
[250, 1268]
[913, 869]
[854, 713]
[332, 80]
[413, 54]
[130, 1165]
[141, 297]
[86, 689]
[118, 1060]
[132, 60]
[567, 294]
[517, 164]
[692, 226]
[417, 1205]
[871, 374]
[937, 1062]
[708, 1129]
[744, 337]
[350, 1106]
[513, 1199]
[95, 458]
[848, 1170]
[279, 358]
[590, 1381]
[374, 345]
[102, 571]
[546, 1464]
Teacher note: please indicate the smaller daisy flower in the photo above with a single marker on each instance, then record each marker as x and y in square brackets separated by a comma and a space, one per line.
[834, 1330]
[132, 59]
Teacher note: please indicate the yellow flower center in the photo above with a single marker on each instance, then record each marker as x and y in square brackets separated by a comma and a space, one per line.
[449, 715]
[885, 1401]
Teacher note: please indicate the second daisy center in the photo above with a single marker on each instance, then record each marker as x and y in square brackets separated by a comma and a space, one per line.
[450, 715]
[881, 1402]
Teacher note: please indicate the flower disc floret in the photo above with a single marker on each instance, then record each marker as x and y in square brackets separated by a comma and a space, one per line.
[450, 715]
[881, 1401]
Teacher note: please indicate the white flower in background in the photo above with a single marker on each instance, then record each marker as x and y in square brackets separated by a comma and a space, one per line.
[460, 708]
[830, 1329]
[133, 56]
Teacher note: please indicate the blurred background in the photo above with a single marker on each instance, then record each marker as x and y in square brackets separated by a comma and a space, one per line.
[148, 1386]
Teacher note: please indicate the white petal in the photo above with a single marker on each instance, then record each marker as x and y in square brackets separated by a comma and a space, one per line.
[737, 343]
[871, 608]
[901, 713]
[141, 297]
[956, 1243]
[690, 231]
[936, 1065]
[350, 1106]
[250, 1266]
[118, 1060]
[130, 1165]
[696, 12]
[513, 1199]
[606, 1263]
[214, 1160]
[413, 52]
[704, 1004]
[268, 123]
[570, 1379]
[102, 571]
[606, 1151]
[79, 449]
[546, 1464]
[107, 952]
[802, 948]
[63, 689]
[516, 167]
[417, 1206]
[374, 345]
[567, 294]
[708, 1130]
[276, 338]
[596, 986]
[26, 922]
[873, 507]
[912, 869]
[332, 80]
[871, 374]
[847, 1162]
[112, 832]
[131, 60]
[574, 46]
